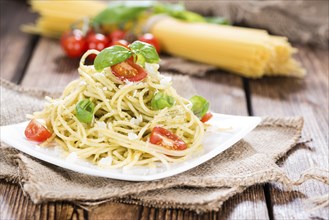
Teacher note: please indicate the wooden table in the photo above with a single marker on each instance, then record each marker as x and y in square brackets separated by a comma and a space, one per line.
[33, 61]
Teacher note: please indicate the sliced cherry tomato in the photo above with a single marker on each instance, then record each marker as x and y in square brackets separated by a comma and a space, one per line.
[150, 39]
[97, 41]
[36, 131]
[167, 139]
[206, 117]
[117, 35]
[121, 42]
[128, 70]
[73, 43]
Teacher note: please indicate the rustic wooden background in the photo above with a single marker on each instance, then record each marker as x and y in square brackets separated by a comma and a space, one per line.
[33, 61]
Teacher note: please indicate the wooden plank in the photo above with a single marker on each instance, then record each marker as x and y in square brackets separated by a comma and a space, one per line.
[15, 205]
[309, 98]
[49, 67]
[226, 95]
[16, 46]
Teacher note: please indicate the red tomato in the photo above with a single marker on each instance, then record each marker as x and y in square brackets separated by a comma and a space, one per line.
[167, 139]
[117, 35]
[150, 39]
[128, 70]
[123, 43]
[97, 41]
[36, 131]
[206, 117]
[74, 43]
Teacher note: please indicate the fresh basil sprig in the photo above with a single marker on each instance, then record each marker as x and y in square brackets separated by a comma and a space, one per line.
[177, 11]
[111, 56]
[161, 101]
[143, 52]
[146, 50]
[200, 105]
[121, 12]
[85, 111]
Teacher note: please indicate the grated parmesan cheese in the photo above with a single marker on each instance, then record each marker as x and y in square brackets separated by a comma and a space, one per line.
[132, 136]
[165, 80]
[105, 162]
[100, 124]
[136, 121]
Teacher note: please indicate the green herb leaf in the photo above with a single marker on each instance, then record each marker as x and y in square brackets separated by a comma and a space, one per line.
[117, 13]
[217, 20]
[85, 111]
[146, 50]
[168, 8]
[200, 105]
[140, 60]
[111, 56]
[177, 11]
[161, 101]
[189, 16]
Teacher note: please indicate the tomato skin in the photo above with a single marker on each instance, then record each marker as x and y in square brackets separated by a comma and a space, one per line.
[128, 70]
[73, 43]
[121, 42]
[36, 132]
[116, 35]
[150, 39]
[158, 135]
[96, 41]
[206, 117]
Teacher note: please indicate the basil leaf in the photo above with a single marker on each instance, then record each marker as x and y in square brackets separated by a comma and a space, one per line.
[140, 60]
[111, 56]
[189, 16]
[177, 11]
[118, 13]
[168, 8]
[146, 50]
[217, 20]
[85, 111]
[161, 101]
[200, 105]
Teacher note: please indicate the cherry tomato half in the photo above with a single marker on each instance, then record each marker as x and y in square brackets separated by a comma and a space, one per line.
[36, 131]
[167, 139]
[96, 41]
[74, 43]
[128, 70]
[150, 39]
[206, 117]
[117, 35]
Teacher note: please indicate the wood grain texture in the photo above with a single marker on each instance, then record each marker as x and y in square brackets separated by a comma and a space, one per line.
[49, 67]
[16, 46]
[15, 205]
[224, 91]
[309, 98]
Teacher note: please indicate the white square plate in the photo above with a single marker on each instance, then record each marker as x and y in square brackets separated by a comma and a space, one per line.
[223, 132]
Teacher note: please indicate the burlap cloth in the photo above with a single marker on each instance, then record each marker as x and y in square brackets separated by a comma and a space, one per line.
[251, 161]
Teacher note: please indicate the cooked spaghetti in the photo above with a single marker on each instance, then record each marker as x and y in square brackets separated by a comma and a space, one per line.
[123, 119]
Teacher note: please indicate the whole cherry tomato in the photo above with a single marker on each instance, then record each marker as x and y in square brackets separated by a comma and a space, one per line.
[116, 35]
[36, 131]
[150, 39]
[96, 41]
[73, 43]
[123, 43]
[167, 139]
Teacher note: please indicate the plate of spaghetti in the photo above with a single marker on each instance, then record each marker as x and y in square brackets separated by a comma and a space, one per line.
[122, 119]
